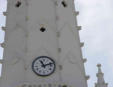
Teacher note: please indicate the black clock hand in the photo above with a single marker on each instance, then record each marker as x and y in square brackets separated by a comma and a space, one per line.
[48, 64]
[42, 64]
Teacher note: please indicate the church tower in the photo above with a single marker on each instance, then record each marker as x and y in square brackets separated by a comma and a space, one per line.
[42, 46]
[100, 78]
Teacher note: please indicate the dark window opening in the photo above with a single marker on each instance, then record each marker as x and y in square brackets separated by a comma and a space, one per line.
[64, 3]
[42, 29]
[64, 86]
[18, 4]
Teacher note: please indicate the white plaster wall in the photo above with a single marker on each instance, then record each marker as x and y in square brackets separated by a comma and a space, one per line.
[42, 43]
[70, 58]
[25, 42]
[13, 70]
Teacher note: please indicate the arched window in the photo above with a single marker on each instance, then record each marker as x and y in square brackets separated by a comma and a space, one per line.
[64, 3]
[18, 4]
[42, 29]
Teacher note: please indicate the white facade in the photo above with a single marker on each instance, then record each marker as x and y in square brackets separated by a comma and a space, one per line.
[25, 41]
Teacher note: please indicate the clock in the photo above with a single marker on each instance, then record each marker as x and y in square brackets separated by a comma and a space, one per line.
[43, 66]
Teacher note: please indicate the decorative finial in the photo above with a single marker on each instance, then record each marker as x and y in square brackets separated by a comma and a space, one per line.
[81, 44]
[76, 13]
[79, 28]
[5, 13]
[99, 68]
[100, 78]
[84, 60]
[106, 84]
[3, 45]
[4, 28]
[1, 61]
[98, 65]
[87, 77]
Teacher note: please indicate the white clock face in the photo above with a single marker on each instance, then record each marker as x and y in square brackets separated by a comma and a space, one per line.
[43, 66]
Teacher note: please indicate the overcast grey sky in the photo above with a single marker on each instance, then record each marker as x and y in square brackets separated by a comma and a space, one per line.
[96, 19]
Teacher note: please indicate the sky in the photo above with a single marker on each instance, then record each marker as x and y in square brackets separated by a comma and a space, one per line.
[96, 19]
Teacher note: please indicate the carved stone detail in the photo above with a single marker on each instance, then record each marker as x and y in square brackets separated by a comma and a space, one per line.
[79, 28]
[81, 44]
[76, 13]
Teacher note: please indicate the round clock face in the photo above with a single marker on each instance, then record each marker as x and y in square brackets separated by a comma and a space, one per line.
[43, 66]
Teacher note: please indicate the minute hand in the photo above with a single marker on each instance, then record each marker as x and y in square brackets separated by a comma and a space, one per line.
[48, 64]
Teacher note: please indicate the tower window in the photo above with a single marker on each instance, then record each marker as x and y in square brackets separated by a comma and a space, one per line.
[42, 29]
[64, 3]
[64, 86]
[18, 4]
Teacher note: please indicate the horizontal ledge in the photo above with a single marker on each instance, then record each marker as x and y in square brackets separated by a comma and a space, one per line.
[79, 28]
[76, 13]
[5, 13]
[1, 61]
[81, 44]
[87, 77]
[84, 60]
[106, 83]
[2, 45]
[4, 28]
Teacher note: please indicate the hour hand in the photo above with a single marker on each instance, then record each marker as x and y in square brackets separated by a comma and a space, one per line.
[42, 64]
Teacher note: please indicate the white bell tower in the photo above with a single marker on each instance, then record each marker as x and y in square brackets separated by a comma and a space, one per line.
[42, 46]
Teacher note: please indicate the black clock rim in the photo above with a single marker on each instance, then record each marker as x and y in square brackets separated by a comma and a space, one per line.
[43, 57]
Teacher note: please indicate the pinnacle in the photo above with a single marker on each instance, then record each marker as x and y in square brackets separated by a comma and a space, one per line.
[98, 65]
[100, 77]
[99, 68]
